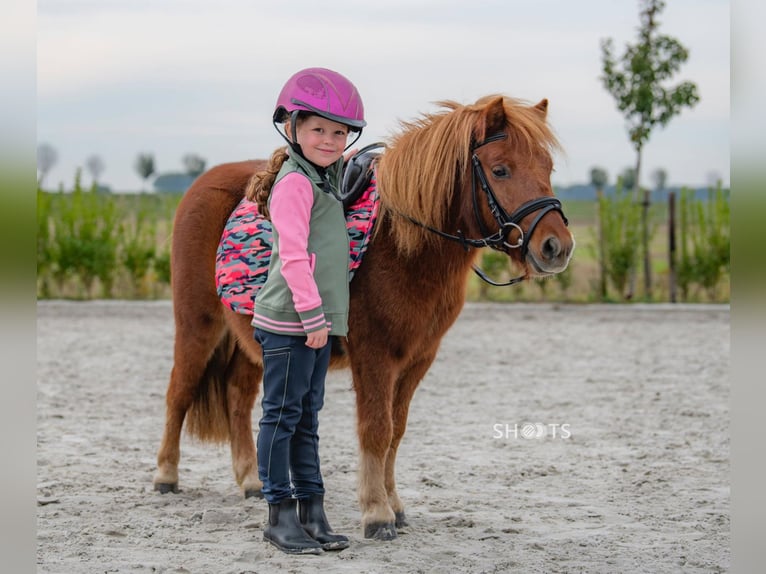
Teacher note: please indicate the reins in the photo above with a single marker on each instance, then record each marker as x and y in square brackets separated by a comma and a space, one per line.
[505, 222]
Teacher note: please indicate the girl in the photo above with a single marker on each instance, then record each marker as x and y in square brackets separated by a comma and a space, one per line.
[304, 300]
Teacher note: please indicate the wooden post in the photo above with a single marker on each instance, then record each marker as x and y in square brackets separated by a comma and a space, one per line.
[672, 245]
[601, 245]
[645, 241]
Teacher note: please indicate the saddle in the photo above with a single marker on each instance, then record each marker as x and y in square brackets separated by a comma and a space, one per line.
[358, 173]
[244, 251]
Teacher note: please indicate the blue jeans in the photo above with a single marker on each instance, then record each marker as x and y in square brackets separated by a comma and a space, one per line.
[293, 394]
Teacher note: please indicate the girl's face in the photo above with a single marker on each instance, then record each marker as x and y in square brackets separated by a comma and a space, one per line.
[321, 140]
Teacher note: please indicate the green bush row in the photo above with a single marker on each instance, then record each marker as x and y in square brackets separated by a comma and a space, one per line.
[99, 245]
[697, 253]
[607, 261]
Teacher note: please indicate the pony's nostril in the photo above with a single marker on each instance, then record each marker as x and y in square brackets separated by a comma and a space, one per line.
[551, 248]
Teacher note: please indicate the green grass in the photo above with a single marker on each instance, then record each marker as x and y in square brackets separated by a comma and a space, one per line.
[143, 227]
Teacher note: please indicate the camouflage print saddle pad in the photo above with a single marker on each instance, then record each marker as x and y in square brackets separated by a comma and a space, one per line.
[242, 260]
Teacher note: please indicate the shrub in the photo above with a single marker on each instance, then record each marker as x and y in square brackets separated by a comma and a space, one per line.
[620, 218]
[704, 241]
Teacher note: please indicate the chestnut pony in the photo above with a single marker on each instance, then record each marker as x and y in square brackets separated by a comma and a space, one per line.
[447, 183]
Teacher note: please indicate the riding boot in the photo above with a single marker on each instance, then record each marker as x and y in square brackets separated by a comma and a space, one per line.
[314, 522]
[285, 532]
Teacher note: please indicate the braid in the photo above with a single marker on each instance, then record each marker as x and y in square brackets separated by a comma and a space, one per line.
[259, 187]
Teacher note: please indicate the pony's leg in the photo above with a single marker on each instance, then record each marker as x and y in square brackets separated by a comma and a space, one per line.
[243, 381]
[193, 348]
[374, 398]
[405, 389]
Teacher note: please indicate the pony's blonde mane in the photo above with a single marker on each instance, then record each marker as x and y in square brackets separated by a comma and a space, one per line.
[430, 158]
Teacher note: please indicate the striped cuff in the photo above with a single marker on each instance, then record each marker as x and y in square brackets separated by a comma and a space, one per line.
[313, 320]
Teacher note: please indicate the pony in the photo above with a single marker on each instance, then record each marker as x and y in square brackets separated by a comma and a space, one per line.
[450, 182]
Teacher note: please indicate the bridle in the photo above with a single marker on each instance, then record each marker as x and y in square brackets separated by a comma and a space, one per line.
[506, 223]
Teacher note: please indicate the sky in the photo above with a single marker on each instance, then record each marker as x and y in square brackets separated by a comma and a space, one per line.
[116, 78]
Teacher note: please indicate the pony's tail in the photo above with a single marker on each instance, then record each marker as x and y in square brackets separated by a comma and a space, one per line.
[208, 417]
[259, 187]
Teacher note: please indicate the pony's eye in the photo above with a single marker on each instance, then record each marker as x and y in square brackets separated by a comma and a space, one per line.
[501, 171]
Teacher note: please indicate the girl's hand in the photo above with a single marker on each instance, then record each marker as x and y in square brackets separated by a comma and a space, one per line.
[317, 339]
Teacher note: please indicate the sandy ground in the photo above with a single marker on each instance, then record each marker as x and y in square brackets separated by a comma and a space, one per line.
[544, 439]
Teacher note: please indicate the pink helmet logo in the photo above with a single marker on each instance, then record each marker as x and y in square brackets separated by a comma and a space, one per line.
[312, 86]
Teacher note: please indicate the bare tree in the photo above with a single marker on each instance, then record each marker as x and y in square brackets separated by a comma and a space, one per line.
[194, 164]
[145, 166]
[95, 166]
[47, 156]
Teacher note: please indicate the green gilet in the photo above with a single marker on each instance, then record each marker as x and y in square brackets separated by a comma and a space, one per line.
[328, 242]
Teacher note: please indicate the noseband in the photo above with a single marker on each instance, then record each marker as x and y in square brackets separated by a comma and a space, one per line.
[506, 223]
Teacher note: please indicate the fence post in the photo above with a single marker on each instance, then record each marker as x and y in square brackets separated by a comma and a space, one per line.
[645, 241]
[672, 245]
[601, 244]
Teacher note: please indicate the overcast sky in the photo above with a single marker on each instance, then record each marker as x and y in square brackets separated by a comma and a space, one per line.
[169, 77]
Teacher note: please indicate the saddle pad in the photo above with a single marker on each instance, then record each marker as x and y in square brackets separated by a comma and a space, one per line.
[244, 252]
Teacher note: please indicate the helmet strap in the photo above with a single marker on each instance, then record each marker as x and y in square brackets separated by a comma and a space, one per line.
[353, 141]
[294, 145]
[294, 130]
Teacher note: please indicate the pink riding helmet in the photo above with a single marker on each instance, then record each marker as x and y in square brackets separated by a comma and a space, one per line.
[323, 92]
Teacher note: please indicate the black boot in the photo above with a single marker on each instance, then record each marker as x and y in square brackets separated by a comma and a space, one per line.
[314, 522]
[285, 532]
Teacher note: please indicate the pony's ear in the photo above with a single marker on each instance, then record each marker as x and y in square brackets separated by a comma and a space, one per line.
[542, 107]
[494, 117]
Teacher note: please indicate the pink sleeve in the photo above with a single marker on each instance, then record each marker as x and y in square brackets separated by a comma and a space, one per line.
[290, 207]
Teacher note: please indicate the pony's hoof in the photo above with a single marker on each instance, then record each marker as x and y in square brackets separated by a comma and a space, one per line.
[164, 487]
[380, 531]
[253, 493]
[401, 520]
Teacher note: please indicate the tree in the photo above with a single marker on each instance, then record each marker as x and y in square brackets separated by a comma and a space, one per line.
[638, 86]
[145, 166]
[660, 178]
[95, 166]
[47, 156]
[598, 179]
[194, 164]
[628, 178]
[635, 80]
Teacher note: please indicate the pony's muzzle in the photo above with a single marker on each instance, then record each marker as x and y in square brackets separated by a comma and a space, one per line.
[554, 254]
[551, 248]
